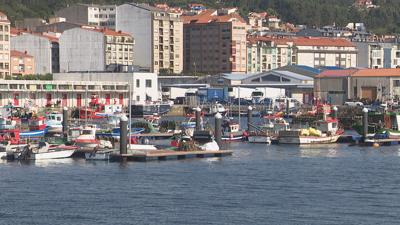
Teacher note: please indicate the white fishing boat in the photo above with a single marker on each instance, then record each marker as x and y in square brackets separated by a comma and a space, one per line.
[54, 120]
[268, 130]
[325, 131]
[84, 137]
[216, 108]
[43, 151]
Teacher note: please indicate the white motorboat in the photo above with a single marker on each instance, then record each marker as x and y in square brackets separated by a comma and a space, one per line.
[43, 151]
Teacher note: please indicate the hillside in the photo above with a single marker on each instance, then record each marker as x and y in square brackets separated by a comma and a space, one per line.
[310, 12]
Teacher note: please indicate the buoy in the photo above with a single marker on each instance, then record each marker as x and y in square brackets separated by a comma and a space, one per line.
[246, 134]
[375, 145]
[231, 137]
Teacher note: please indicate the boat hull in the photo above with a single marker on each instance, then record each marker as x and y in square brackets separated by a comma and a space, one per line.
[308, 139]
[56, 154]
[86, 143]
[36, 133]
[259, 139]
[98, 156]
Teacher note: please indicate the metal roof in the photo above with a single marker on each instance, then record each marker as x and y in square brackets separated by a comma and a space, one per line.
[306, 68]
[332, 67]
[292, 75]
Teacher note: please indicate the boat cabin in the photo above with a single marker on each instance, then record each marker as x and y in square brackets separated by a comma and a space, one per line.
[327, 126]
[54, 118]
[37, 124]
[230, 127]
[114, 118]
[7, 123]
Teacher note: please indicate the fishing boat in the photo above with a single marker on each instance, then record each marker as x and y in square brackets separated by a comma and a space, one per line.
[325, 131]
[214, 109]
[231, 132]
[9, 123]
[188, 126]
[381, 123]
[154, 121]
[43, 151]
[90, 114]
[54, 120]
[113, 120]
[268, 131]
[84, 137]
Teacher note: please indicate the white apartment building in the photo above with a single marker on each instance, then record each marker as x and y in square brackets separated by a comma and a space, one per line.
[102, 16]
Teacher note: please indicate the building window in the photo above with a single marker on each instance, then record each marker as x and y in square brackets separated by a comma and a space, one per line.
[148, 83]
[137, 83]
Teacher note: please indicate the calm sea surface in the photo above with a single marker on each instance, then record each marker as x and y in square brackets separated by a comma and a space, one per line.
[258, 184]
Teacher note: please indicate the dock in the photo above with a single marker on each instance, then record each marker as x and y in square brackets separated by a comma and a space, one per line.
[151, 155]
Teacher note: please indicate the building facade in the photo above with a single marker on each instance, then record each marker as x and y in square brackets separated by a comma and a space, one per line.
[315, 52]
[144, 85]
[215, 42]
[101, 16]
[88, 49]
[264, 54]
[4, 46]
[68, 93]
[378, 55]
[44, 50]
[158, 36]
[21, 63]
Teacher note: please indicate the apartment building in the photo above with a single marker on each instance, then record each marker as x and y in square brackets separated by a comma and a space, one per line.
[101, 16]
[93, 49]
[264, 54]
[215, 42]
[44, 49]
[4, 46]
[158, 36]
[378, 55]
[21, 63]
[315, 52]
[267, 53]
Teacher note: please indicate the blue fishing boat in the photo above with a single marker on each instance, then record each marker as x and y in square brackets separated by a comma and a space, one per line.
[36, 133]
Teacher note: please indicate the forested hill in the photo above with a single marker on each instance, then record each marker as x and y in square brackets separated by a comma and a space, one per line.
[310, 12]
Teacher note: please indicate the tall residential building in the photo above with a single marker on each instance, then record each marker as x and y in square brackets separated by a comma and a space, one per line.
[158, 36]
[215, 42]
[4, 46]
[21, 63]
[264, 54]
[93, 49]
[102, 16]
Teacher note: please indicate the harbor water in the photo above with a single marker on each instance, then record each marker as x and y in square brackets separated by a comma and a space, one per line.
[258, 184]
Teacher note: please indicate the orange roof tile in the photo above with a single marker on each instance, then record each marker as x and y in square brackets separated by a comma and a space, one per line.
[51, 39]
[208, 15]
[107, 31]
[377, 73]
[15, 53]
[306, 41]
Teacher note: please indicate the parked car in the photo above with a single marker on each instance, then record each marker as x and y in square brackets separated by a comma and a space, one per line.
[351, 102]
[366, 101]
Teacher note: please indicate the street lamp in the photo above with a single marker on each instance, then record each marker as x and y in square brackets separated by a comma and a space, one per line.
[194, 64]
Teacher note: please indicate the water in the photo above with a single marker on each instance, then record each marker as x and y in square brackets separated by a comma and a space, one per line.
[258, 184]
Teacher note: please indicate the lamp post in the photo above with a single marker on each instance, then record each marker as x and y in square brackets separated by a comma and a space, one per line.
[194, 64]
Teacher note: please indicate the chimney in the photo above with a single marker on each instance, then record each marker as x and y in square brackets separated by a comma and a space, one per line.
[105, 29]
[120, 32]
[26, 52]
